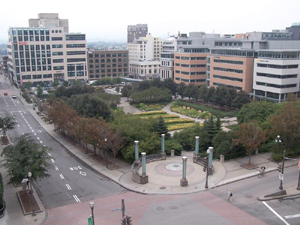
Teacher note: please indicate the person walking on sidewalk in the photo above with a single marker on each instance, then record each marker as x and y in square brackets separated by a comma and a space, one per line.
[262, 171]
[230, 195]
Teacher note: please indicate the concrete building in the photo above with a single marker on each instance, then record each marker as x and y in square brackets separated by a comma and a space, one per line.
[276, 74]
[190, 65]
[295, 30]
[144, 52]
[107, 63]
[4, 67]
[145, 70]
[232, 68]
[45, 54]
[169, 46]
[134, 32]
[49, 20]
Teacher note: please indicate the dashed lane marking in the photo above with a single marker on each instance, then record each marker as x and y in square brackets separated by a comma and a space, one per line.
[61, 176]
[69, 187]
[76, 198]
[52, 160]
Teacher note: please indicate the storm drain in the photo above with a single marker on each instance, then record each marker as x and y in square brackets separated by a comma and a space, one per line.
[162, 188]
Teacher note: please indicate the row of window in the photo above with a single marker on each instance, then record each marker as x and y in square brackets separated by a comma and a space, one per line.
[230, 86]
[108, 75]
[108, 55]
[28, 77]
[277, 76]
[228, 78]
[189, 80]
[191, 66]
[107, 65]
[279, 55]
[228, 61]
[108, 60]
[276, 85]
[107, 70]
[32, 68]
[233, 52]
[277, 66]
[190, 73]
[23, 62]
[190, 58]
[228, 70]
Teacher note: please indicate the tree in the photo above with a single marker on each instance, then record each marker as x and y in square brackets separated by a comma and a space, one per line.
[192, 91]
[115, 143]
[210, 95]
[153, 94]
[203, 93]
[286, 124]
[26, 156]
[144, 85]
[219, 96]
[55, 83]
[171, 85]
[211, 127]
[230, 95]
[181, 89]
[126, 91]
[7, 123]
[250, 136]
[241, 99]
[257, 110]
[39, 92]
[161, 128]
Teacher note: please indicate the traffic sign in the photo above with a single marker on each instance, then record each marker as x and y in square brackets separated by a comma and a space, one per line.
[281, 176]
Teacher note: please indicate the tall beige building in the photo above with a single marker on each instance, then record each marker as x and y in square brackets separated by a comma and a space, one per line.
[45, 52]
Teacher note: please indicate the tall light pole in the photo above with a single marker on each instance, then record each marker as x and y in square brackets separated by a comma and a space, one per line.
[31, 194]
[92, 209]
[278, 140]
[105, 139]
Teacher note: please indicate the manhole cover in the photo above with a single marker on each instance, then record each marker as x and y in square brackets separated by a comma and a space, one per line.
[162, 188]
[175, 165]
[160, 208]
[173, 207]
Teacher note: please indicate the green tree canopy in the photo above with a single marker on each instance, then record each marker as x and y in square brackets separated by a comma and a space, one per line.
[153, 94]
[161, 128]
[26, 156]
[7, 123]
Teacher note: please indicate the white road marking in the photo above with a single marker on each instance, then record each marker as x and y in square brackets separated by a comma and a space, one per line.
[76, 198]
[75, 168]
[292, 216]
[34, 133]
[38, 138]
[69, 187]
[71, 168]
[273, 211]
[44, 145]
[52, 160]
[82, 173]
[18, 125]
[41, 142]
[79, 167]
[22, 133]
[49, 154]
[56, 168]
[61, 176]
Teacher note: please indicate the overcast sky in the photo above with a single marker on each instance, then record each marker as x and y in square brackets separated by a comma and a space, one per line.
[108, 20]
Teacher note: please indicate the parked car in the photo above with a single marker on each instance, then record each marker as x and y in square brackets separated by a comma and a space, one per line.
[5, 93]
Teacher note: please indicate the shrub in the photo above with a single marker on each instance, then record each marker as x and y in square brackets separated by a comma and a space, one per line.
[180, 126]
[178, 120]
[150, 113]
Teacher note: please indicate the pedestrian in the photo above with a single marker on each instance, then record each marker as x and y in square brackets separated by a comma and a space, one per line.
[230, 195]
[262, 171]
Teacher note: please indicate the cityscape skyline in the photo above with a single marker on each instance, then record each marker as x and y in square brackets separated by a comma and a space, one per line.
[228, 18]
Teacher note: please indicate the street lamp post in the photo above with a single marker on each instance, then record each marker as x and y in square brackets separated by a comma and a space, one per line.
[31, 194]
[278, 140]
[92, 209]
[105, 139]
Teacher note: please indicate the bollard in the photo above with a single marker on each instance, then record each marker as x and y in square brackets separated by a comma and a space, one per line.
[172, 153]
[136, 150]
[222, 158]
[256, 151]
[210, 156]
[143, 164]
[183, 181]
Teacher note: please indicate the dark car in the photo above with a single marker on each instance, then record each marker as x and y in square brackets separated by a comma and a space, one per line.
[5, 93]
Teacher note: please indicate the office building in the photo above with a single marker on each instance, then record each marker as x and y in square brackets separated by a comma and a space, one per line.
[190, 65]
[276, 74]
[134, 32]
[46, 53]
[169, 47]
[107, 63]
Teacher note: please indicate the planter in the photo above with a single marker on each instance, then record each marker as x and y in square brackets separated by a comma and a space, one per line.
[2, 210]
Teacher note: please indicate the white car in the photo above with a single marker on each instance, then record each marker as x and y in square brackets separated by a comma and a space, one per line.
[14, 97]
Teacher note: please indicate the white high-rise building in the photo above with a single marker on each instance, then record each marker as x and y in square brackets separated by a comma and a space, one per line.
[169, 46]
[45, 52]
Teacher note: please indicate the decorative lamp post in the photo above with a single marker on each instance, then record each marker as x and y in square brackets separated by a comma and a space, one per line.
[136, 150]
[31, 194]
[163, 143]
[143, 164]
[278, 140]
[197, 146]
[92, 209]
[105, 139]
[184, 181]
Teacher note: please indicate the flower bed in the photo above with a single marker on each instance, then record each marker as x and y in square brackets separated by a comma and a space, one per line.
[151, 113]
[156, 116]
[149, 107]
[180, 126]
[191, 112]
[179, 120]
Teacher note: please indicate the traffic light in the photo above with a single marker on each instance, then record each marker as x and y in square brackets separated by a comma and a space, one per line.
[128, 220]
[123, 221]
[205, 163]
[279, 168]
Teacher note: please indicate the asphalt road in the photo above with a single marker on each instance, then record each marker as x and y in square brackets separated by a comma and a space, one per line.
[70, 181]
[245, 193]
